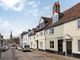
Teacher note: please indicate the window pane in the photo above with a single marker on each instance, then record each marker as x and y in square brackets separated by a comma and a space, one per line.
[51, 44]
[51, 31]
[78, 23]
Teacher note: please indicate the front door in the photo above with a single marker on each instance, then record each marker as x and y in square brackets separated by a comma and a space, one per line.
[69, 48]
[37, 44]
[60, 46]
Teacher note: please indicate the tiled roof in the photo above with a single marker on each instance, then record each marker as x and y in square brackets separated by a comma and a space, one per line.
[68, 15]
[71, 13]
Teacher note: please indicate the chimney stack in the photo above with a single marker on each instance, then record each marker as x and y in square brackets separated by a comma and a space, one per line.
[56, 7]
[56, 12]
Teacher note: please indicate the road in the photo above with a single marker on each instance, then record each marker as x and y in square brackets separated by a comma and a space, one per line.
[8, 55]
[13, 54]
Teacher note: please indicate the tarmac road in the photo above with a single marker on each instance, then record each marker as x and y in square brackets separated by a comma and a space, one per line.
[8, 55]
[14, 54]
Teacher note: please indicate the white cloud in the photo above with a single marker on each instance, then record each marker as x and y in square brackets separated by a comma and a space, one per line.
[35, 12]
[32, 8]
[4, 24]
[21, 5]
[47, 7]
[34, 5]
[17, 5]
[47, 10]
[28, 7]
[6, 27]
[31, 2]
[32, 12]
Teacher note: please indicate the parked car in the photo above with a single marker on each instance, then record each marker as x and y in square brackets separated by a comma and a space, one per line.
[1, 49]
[13, 45]
[25, 48]
[4, 48]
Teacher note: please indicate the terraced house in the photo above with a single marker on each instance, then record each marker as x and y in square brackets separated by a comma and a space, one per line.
[60, 33]
[23, 38]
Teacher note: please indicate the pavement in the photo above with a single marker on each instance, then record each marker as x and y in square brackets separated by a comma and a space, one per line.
[14, 54]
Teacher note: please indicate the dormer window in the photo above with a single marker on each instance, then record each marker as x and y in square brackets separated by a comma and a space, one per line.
[41, 25]
[51, 31]
[55, 17]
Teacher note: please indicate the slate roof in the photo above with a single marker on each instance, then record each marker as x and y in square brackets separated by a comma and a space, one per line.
[68, 15]
[47, 21]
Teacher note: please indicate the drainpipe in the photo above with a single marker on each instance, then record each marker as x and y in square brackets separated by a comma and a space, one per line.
[45, 39]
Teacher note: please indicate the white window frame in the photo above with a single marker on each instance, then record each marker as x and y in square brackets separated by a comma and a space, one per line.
[78, 23]
[51, 45]
[51, 30]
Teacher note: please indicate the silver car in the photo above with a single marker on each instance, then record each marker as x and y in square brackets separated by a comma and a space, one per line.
[4, 48]
[26, 48]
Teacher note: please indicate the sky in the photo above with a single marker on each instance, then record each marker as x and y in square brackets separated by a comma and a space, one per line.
[21, 15]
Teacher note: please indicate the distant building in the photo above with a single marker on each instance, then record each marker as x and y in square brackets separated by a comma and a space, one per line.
[2, 41]
[23, 38]
[11, 35]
